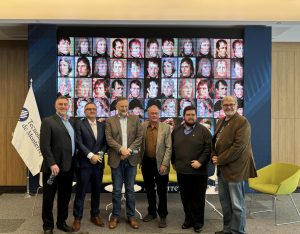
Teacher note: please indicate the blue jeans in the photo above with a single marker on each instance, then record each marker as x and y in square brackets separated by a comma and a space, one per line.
[124, 173]
[232, 199]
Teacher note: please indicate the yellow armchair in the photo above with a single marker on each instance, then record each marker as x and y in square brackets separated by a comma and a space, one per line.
[276, 179]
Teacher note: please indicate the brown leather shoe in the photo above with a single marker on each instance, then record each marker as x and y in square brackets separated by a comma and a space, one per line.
[133, 223]
[97, 221]
[76, 225]
[113, 223]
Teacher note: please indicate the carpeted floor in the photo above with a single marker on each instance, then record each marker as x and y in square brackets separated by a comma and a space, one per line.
[16, 216]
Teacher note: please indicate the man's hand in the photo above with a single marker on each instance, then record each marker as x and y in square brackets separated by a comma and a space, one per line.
[94, 159]
[54, 169]
[214, 160]
[124, 152]
[162, 169]
[195, 164]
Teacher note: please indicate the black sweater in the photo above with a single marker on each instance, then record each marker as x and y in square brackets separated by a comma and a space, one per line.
[194, 146]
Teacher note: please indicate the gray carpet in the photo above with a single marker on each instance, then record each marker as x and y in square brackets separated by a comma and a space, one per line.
[16, 216]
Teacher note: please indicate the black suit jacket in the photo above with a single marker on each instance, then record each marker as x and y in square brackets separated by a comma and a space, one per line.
[55, 144]
[87, 143]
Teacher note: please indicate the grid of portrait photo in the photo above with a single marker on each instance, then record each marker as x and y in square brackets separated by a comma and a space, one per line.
[170, 72]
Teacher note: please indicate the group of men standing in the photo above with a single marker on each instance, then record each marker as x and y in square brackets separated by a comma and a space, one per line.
[79, 147]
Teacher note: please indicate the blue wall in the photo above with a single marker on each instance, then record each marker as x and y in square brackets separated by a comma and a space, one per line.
[257, 82]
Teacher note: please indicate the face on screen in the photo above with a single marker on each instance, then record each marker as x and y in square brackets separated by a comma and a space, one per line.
[118, 90]
[153, 89]
[169, 108]
[135, 49]
[80, 108]
[168, 88]
[84, 46]
[221, 68]
[204, 47]
[135, 90]
[205, 67]
[238, 90]
[137, 111]
[238, 70]
[238, 50]
[221, 50]
[82, 69]
[99, 90]
[118, 69]
[101, 67]
[83, 88]
[188, 48]
[168, 47]
[153, 69]
[118, 49]
[153, 50]
[64, 47]
[101, 46]
[168, 69]
[221, 91]
[203, 91]
[64, 68]
[187, 89]
[135, 70]
[185, 69]
[65, 86]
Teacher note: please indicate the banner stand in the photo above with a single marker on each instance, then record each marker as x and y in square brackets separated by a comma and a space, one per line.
[27, 194]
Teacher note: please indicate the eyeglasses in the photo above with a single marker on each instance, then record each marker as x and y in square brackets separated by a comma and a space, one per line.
[229, 105]
[91, 109]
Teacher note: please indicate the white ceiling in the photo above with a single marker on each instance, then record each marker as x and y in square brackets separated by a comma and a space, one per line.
[281, 31]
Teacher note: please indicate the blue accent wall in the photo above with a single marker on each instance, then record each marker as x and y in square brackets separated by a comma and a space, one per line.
[257, 83]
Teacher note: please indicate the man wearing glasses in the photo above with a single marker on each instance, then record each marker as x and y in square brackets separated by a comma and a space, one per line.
[91, 141]
[232, 152]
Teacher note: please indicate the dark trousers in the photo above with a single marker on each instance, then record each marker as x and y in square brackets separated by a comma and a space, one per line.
[152, 177]
[86, 176]
[192, 191]
[63, 185]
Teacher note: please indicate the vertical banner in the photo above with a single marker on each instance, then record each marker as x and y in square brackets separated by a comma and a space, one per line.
[26, 137]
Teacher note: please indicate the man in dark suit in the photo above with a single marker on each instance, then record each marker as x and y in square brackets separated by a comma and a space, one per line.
[91, 142]
[57, 143]
[124, 136]
[232, 153]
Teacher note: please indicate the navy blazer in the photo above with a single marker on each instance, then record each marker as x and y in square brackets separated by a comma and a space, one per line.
[87, 143]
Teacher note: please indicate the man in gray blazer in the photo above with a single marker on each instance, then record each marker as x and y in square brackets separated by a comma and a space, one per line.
[156, 155]
[124, 137]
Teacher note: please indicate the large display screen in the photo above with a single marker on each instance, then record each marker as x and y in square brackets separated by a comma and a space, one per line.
[169, 72]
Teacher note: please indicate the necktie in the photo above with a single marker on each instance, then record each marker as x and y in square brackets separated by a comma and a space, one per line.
[94, 128]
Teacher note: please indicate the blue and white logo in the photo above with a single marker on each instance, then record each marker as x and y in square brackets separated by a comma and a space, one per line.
[24, 115]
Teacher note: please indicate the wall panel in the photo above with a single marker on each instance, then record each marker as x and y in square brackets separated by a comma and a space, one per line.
[13, 89]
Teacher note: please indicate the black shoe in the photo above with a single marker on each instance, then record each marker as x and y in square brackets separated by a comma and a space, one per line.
[162, 222]
[198, 227]
[149, 217]
[186, 225]
[48, 231]
[64, 227]
[222, 232]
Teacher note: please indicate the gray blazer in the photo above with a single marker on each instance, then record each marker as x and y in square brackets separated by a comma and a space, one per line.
[113, 134]
[163, 145]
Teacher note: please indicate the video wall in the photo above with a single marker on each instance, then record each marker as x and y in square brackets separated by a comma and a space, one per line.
[170, 72]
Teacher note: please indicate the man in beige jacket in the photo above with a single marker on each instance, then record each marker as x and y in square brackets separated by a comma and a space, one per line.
[156, 155]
